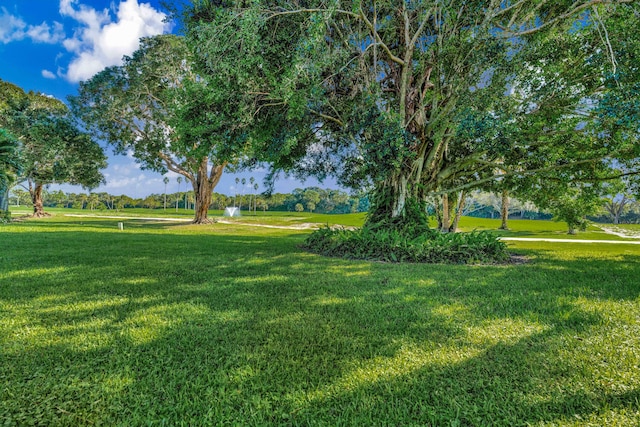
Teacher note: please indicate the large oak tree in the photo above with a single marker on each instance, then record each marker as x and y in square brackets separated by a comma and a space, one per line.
[157, 107]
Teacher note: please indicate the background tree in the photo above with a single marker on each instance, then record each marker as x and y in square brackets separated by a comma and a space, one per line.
[150, 202]
[93, 201]
[9, 166]
[255, 200]
[178, 196]
[417, 98]
[618, 199]
[52, 147]
[18, 194]
[617, 205]
[152, 105]
[166, 181]
[311, 199]
[243, 182]
[573, 207]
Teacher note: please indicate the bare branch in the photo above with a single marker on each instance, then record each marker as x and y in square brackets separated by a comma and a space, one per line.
[379, 41]
[326, 117]
[174, 166]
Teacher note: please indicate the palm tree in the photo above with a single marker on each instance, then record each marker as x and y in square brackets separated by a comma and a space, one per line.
[251, 181]
[244, 182]
[235, 199]
[166, 181]
[255, 198]
[179, 179]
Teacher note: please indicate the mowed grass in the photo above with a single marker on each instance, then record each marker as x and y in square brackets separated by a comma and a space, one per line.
[277, 218]
[170, 324]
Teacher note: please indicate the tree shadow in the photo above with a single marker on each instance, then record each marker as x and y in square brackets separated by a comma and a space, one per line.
[217, 328]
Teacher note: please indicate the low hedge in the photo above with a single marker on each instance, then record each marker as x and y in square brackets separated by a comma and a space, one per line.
[393, 245]
[5, 217]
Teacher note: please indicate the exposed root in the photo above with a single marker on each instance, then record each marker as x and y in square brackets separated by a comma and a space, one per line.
[204, 221]
[40, 215]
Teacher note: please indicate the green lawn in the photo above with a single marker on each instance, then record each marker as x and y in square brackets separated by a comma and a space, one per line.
[535, 229]
[169, 324]
[268, 217]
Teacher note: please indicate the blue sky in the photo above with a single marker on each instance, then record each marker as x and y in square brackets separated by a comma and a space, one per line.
[49, 46]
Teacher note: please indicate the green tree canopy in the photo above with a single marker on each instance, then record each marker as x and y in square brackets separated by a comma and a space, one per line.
[52, 147]
[420, 97]
[9, 166]
[170, 118]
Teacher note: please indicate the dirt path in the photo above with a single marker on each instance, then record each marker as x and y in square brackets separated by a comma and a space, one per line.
[130, 217]
[303, 226]
[620, 232]
[536, 239]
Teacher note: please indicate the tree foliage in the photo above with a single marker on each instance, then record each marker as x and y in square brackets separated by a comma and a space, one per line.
[9, 165]
[158, 108]
[420, 97]
[52, 149]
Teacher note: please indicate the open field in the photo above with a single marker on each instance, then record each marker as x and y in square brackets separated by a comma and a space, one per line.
[169, 324]
[518, 227]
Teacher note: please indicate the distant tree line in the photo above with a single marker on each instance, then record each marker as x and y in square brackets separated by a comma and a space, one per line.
[618, 209]
[311, 199]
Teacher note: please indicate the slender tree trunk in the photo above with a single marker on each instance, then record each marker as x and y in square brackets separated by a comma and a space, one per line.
[459, 209]
[446, 215]
[438, 213]
[36, 198]
[504, 210]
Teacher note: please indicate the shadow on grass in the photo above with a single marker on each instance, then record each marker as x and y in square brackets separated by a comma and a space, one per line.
[227, 328]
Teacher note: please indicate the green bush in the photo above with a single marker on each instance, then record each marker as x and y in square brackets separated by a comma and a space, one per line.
[395, 246]
[5, 217]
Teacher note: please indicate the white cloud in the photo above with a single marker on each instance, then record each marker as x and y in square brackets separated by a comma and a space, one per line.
[48, 74]
[101, 42]
[43, 33]
[13, 28]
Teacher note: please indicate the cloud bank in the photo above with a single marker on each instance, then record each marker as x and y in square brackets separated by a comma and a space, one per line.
[101, 41]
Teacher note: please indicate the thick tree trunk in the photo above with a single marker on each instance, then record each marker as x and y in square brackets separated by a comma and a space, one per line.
[203, 200]
[36, 199]
[504, 210]
[203, 189]
[397, 203]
